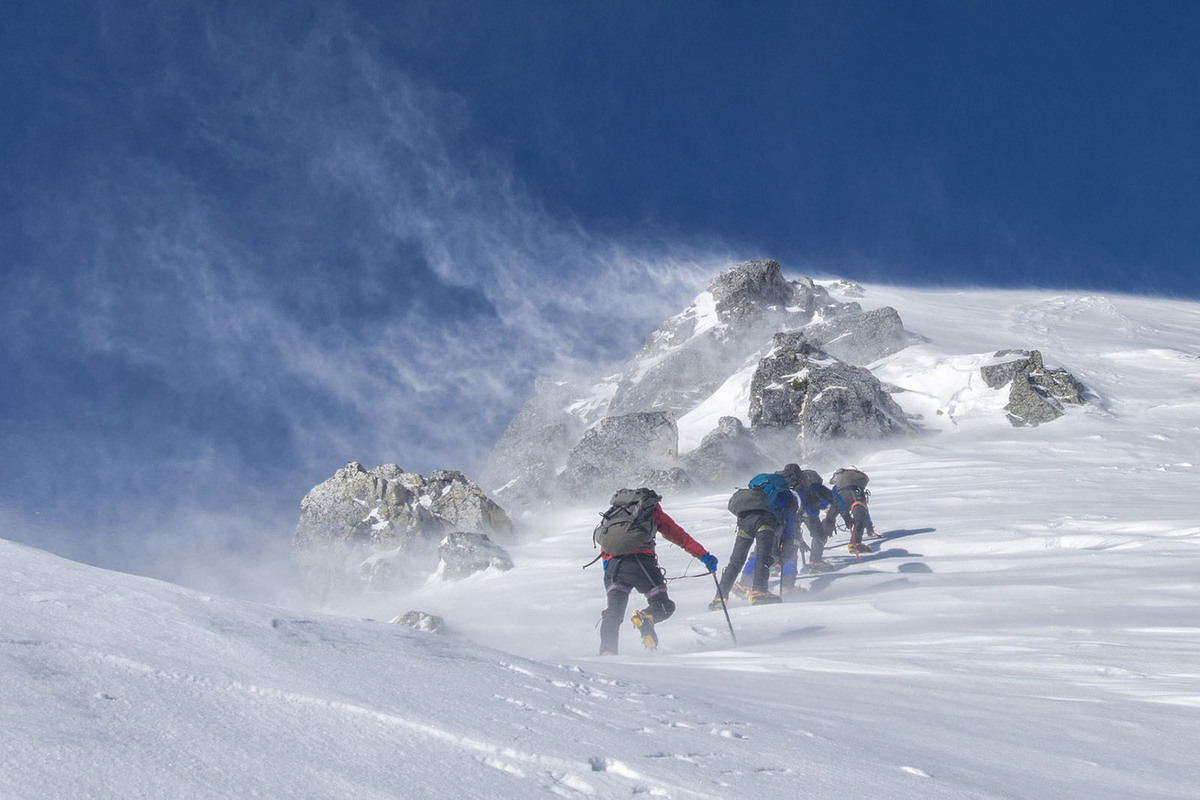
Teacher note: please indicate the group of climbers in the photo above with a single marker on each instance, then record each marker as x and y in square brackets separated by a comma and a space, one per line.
[777, 536]
[769, 511]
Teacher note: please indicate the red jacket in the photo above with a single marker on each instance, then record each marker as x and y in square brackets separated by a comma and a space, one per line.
[671, 531]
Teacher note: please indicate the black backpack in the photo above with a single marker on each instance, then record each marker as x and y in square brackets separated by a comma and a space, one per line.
[809, 478]
[628, 525]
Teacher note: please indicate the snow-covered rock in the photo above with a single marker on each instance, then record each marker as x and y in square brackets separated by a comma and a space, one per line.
[534, 446]
[379, 528]
[800, 387]
[420, 621]
[562, 439]
[463, 553]
[860, 337]
[586, 436]
[727, 453]
[692, 353]
[627, 450]
[1036, 394]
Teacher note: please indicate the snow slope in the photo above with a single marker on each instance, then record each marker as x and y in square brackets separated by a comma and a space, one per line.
[1028, 628]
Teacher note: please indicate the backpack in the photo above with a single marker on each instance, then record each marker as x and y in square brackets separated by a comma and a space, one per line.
[772, 485]
[759, 495]
[809, 478]
[744, 501]
[628, 525]
[843, 478]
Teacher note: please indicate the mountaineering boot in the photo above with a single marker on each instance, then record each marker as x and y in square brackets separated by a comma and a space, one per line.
[645, 625]
[741, 589]
[819, 565]
[871, 532]
[859, 547]
[763, 598]
[716, 604]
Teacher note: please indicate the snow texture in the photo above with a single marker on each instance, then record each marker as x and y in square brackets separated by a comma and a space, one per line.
[1027, 628]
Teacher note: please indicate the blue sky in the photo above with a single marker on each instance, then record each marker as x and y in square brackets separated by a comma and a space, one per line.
[244, 245]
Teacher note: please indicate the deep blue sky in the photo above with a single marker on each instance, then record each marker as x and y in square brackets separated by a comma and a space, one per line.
[245, 243]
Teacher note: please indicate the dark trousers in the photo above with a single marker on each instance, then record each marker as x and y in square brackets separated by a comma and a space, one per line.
[854, 513]
[622, 575]
[819, 535]
[762, 536]
[789, 555]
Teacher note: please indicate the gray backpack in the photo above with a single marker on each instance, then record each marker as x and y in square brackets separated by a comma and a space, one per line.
[845, 478]
[746, 501]
[628, 525]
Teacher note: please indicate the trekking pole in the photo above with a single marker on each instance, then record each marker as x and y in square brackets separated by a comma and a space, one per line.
[777, 554]
[725, 608]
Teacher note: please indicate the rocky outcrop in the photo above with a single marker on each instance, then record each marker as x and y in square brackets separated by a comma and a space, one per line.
[378, 529]
[420, 621]
[462, 553]
[359, 506]
[534, 447]
[664, 479]
[728, 452]
[750, 290]
[1005, 364]
[801, 387]
[626, 450]
[576, 438]
[1036, 394]
[459, 503]
[693, 353]
[861, 337]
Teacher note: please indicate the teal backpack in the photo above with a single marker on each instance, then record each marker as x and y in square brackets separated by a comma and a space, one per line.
[761, 495]
[772, 484]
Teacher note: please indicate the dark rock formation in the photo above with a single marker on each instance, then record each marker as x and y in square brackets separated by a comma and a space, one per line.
[1036, 394]
[462, 553]
[799, 386]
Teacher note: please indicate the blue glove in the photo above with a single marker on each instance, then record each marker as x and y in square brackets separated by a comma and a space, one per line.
[710, 561]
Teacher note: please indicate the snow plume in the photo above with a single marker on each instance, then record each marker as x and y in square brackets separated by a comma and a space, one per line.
[296, 257]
